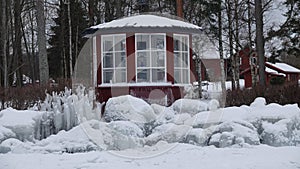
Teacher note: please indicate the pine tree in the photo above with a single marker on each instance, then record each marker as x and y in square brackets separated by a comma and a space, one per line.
[58, 53]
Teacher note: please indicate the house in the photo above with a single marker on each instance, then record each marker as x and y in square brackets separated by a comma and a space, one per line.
[287, 72]
[147, 56]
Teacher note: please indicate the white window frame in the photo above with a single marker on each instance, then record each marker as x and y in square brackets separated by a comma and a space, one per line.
[150, 50]
[114, 68]
[188, 61]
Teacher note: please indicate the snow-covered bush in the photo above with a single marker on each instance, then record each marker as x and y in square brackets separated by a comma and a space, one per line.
[189, 106]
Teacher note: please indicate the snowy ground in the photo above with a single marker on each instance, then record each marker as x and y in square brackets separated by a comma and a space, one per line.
[182, 156]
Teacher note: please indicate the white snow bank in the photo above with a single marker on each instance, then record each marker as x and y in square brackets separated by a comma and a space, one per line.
[128, 108]
[189, 106]
[179, 156]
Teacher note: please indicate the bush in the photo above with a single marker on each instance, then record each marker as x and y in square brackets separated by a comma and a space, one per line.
[27, 96]
[281, 94]
[277, 80]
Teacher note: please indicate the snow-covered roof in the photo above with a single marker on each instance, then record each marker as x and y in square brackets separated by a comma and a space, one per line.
[284, 67]
[272, 71]
[145, 23]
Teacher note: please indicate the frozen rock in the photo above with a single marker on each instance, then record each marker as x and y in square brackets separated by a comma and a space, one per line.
[163, 114]
[6, 133]
[179, 119]
[126, 128]
[227, 133]
[198, 136]
[128, 108]
[168, 132]
[4, 149]
[259, 102]
[189, 106]
[285, 132]
[213, 105]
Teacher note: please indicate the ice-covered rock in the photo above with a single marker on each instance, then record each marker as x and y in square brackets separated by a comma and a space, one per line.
[199, 136]
[213, 105]
[189, 106]
[22, 123]
[126, 128]
[227, 133]
[179, 119]
[6, 133]
[163, 114]
[128, 108]
[259, 102]
[169, 132]
[285, 132]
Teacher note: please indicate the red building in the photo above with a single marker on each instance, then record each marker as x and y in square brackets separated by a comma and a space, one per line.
[147, 56]
[272, 70]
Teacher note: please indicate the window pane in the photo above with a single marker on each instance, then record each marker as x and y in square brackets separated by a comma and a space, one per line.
[158, 42]
[142, 42]
[120, 75]
[143, 59]
[107, 43]
[185, 60]
[185, 76]
[185, 43]
[120, 59]
[108, 60]
[177, 59]
[120, 43]
[158, 59]
[143, 75]
[158, 75]
[107, 76]
[177, 75]
[176, 44]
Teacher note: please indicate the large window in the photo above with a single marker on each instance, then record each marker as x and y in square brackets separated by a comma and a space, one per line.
[150, 57]
[114, 58]
[181, 59]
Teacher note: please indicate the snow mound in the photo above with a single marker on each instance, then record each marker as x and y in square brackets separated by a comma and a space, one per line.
[179, 119]
[198, 136]
[189, 106]
[230, 133]
[128, 108]
[213, 105]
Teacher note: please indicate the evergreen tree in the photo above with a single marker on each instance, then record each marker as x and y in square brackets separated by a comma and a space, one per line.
[58, 53]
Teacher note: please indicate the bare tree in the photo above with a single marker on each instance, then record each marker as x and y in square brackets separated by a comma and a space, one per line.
[3, 43]
[260, 41]
[41, 40]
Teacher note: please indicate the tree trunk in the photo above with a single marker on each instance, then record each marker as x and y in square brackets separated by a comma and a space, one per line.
[41, 40]
[223, 78]
[237, 59]
[230, 30]
[260, 41]
[18, 43]
[3, 43]
[70, 39]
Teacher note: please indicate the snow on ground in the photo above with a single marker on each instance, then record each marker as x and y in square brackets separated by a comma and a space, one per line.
[180, 156]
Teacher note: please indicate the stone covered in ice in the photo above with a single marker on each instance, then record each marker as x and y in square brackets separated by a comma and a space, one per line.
[128, 108]
[189, 106]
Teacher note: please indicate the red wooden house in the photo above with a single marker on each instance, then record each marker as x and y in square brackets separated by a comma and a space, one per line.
[272, 70]
[147, 56]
